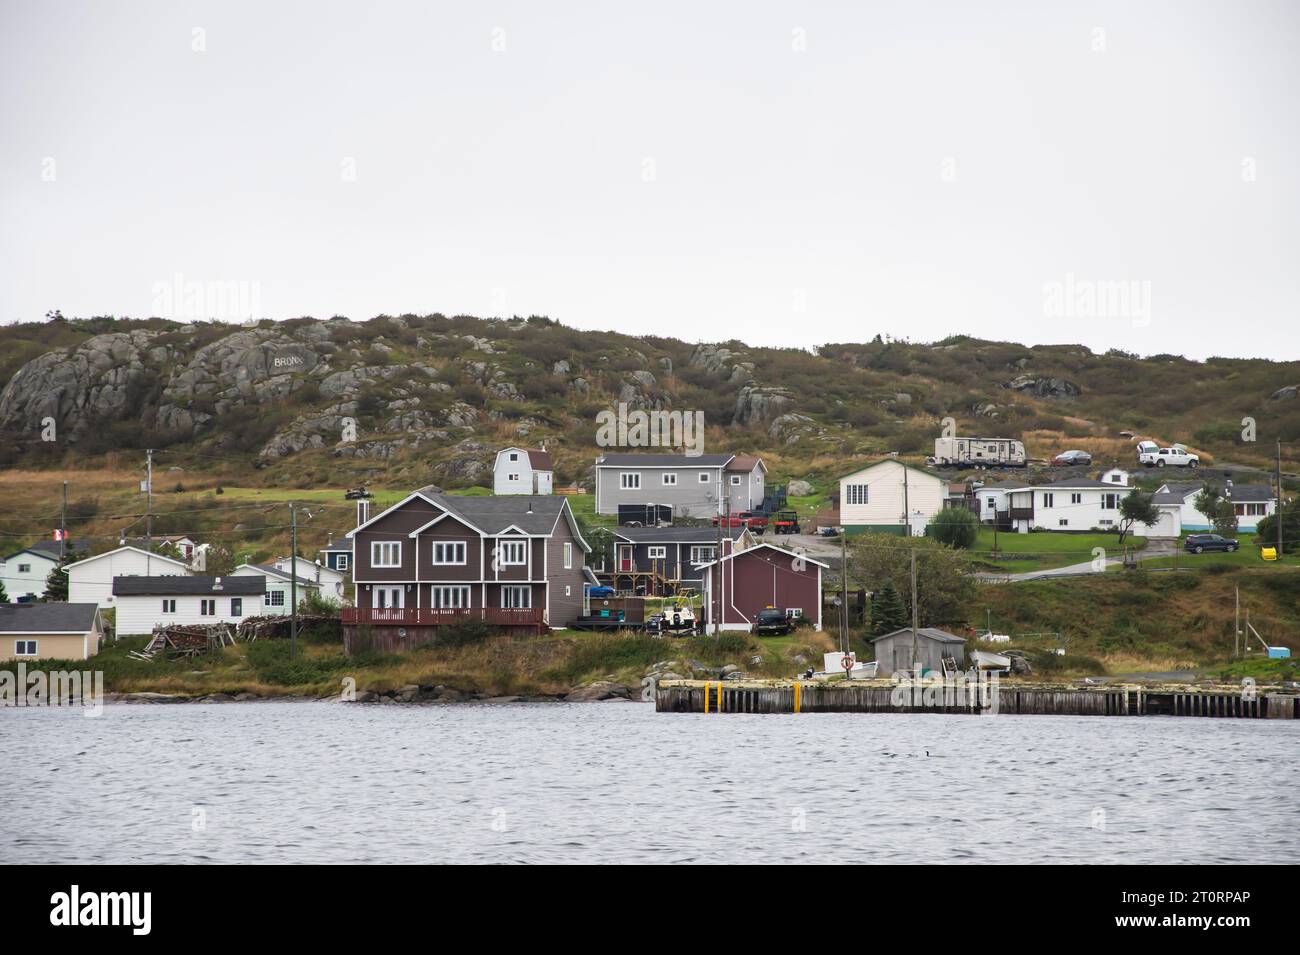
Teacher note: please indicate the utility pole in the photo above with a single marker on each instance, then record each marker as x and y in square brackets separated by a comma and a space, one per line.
[844, 595]
[915, 661]
[293, 580]
[907, 510]
[1277, 511]
[726, 521]
[63, 525]
[1236, 624]
[717, 565]
[148, 525]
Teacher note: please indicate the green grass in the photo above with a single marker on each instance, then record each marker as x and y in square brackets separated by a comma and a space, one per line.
[1248, 555]
[1043, 550]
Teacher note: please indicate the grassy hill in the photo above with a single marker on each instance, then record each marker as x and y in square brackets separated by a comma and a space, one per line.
[245, 418]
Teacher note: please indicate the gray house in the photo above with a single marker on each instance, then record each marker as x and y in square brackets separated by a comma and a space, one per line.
[696, 486]
[667, 558]
[894, 650]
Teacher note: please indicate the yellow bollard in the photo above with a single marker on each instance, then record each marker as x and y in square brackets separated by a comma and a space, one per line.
[797, 685]
[706, 697]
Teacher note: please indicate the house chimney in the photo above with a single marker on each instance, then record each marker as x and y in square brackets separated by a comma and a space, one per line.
[363, 511]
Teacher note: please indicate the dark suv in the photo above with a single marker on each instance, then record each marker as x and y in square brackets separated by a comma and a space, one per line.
[1197, 543]
[772, 620]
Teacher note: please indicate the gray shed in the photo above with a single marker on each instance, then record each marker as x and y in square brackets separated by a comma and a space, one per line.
[894, 650]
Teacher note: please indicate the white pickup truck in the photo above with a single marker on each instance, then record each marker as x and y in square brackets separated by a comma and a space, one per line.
[1174, 457]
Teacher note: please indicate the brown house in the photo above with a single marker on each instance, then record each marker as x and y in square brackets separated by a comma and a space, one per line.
[434, 559]
[745, 581]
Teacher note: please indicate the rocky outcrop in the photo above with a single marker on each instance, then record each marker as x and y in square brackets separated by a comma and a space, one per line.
[760, 404]
[789, 428]
[798, 488]
[79, 388]
[1043, 386]
[1288, 393]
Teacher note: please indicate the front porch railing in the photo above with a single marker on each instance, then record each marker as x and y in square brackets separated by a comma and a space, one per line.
[436, 616]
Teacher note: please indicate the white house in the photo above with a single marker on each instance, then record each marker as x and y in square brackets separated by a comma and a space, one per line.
[877, 498]
[1116, 476]
[994, 501]
[1077, 504]
[145, 602]
[522, 471]
[329, 580]
[1251, 502]
[279, 586]
[24, 572]
[91, 580]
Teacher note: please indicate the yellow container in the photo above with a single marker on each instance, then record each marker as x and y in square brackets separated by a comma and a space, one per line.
[1269, 553]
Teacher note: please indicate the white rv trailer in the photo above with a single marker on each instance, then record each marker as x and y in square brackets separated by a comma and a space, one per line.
[996, 452]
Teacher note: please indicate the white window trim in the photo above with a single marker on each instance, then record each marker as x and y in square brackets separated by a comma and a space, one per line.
[21, 651]
[704, 477]
[271, 598]
[169, 605]
[437, 595]
[669, 478]
[455, 547]
[657, 552]
[857, 494]
[568, 555]
[697, 557]
[342, 562]
[629, 480]
[204, 603]
[735, 480]
[376, 547]
[517, 589]
[504, 549]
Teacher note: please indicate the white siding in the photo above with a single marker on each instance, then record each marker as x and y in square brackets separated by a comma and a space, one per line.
[1082, 515]
[92, 581]
[884, 480]
[18, 582]
[140, 614]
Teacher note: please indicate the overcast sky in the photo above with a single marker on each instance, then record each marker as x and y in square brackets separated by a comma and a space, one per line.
[1116, 174]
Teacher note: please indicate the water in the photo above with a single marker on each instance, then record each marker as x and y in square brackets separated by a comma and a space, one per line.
[617, 782]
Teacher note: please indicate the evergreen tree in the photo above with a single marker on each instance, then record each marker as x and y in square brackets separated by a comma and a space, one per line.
[4, 596]
[887, 611]
[56, 582]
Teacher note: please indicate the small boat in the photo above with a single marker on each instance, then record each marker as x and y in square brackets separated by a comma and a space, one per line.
[832, 664]
[985, 660]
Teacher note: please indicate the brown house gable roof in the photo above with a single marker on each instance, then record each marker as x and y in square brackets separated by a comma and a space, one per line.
[492, 516]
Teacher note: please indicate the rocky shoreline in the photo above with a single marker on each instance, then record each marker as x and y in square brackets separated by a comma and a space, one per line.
[410, 694]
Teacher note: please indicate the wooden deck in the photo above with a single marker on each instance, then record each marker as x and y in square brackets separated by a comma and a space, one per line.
[437, 617]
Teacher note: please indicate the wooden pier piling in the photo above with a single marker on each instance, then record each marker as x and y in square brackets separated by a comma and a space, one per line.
[885, 696]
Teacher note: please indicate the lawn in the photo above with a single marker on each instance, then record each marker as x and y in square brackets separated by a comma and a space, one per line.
[1043, 550]
[1248, 555]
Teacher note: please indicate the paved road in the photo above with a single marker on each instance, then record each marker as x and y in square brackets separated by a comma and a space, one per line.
[1155, 547]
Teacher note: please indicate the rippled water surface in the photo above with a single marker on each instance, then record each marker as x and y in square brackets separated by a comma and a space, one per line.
[617, 782]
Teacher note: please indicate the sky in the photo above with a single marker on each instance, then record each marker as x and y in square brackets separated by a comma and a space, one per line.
[1119, 175]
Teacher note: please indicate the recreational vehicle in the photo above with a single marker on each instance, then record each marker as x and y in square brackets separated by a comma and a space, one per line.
[996, 452]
